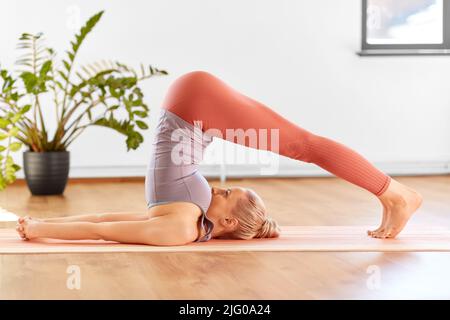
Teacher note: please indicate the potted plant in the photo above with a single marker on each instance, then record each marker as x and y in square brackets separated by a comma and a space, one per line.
[95, 95]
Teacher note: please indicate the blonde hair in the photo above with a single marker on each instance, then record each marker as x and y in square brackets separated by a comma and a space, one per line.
[253, 220]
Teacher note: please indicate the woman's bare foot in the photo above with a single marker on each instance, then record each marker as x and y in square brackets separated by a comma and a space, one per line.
[399, 203]
[20, 231]
[28, 228]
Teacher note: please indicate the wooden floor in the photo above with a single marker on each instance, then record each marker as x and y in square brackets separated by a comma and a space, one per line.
[264, 275]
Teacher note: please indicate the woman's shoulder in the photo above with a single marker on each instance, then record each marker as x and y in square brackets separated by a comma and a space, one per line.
[186, 213]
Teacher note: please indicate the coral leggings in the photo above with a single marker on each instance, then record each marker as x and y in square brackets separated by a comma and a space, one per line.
[201, 96]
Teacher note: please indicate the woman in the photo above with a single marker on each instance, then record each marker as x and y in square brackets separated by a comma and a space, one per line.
[182, 208]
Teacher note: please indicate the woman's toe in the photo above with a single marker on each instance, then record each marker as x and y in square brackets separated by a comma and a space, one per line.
[20, 231]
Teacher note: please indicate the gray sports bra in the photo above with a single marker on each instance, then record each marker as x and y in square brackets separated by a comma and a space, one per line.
[172, 174]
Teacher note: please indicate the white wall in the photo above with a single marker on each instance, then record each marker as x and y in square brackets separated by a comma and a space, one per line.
[296, 56]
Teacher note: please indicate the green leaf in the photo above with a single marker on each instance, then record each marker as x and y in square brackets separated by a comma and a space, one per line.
[3, 136]
[134, 140]
[25, 109]
[141, 124]
[142, 70]
[29, 80]
[15, 146]
[71, 56]
[16, 117]
[46, 67]
[9, 170]
[24, 36]
[14, 96]
[63, 75]
[60, 85]
[114, 107]
[2, 148]
[115, 93]
[137, 102]
[140, 114]
[84, 31]
[66, 65]
[3, 123]
[13, 131]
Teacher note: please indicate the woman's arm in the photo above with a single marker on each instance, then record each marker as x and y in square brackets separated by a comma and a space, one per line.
[99, 217]
[167, 230]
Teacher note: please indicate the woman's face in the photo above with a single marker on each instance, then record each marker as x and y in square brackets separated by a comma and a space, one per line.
[223, 201]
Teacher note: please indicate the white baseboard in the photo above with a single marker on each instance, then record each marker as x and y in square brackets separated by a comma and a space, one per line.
[252, 171]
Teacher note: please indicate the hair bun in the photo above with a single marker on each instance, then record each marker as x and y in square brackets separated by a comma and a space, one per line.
[269, 229]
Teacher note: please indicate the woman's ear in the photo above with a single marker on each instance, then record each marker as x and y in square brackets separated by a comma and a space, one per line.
[231, 223]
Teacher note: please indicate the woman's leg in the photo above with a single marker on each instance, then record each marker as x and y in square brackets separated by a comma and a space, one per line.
[201, 97]
[99, 217]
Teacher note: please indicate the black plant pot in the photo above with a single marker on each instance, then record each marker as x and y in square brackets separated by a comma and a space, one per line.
[46, 172]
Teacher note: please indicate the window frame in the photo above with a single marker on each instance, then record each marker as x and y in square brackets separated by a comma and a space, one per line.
[409, 49]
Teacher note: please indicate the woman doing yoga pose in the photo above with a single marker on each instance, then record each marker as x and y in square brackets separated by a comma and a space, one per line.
[183, 208]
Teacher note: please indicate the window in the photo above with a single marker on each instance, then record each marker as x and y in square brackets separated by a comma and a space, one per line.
[411, 27]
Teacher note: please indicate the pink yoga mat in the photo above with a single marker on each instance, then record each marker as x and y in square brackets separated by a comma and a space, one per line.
[293, 238]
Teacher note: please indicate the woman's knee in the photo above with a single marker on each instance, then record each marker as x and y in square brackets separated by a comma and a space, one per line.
[302, 148]
[187, 88]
